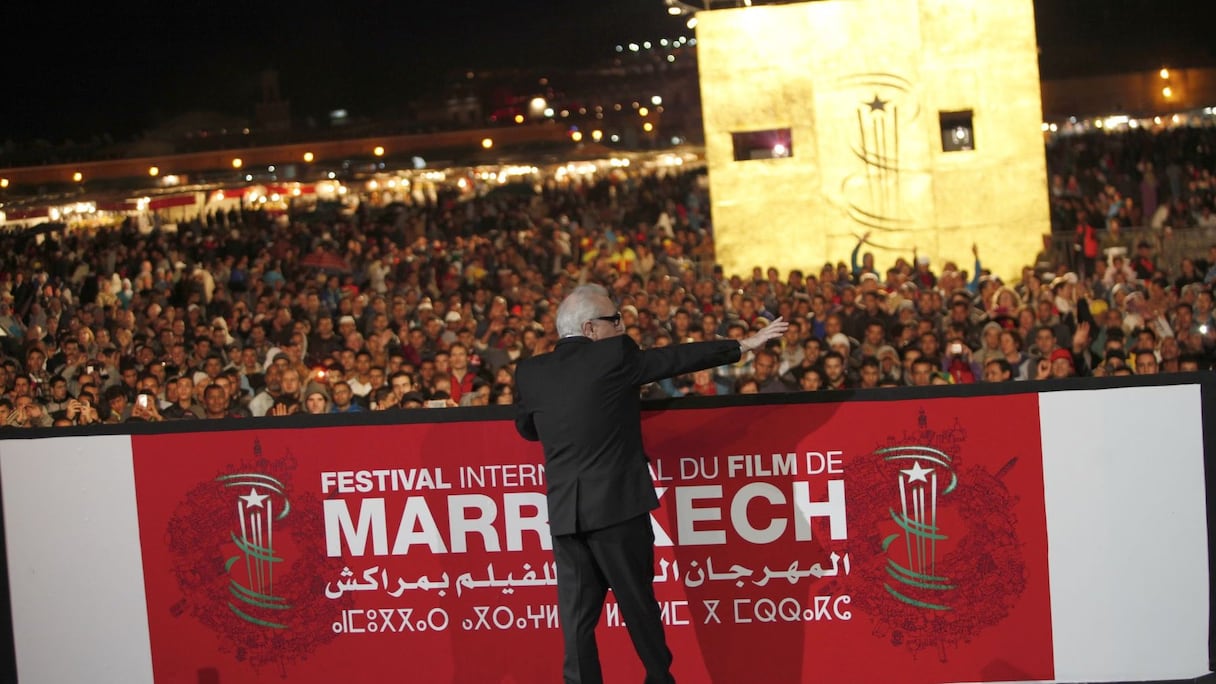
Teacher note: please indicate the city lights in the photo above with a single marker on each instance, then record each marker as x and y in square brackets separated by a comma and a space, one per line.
[378, 151]
[237, 163]
[487, 143]
[78, 176]
[308, 157]
[153, 171]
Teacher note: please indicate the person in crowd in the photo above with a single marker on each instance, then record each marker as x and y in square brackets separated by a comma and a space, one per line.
[998, 370]
[921, 372]
[185, 406]
[764, 368]
[316, 401]
[502, 394]
[216, 403]
[241, 323]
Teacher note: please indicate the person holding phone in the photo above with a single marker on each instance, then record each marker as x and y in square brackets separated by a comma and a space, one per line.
[145, 408]
[581, 402]
[959, 363]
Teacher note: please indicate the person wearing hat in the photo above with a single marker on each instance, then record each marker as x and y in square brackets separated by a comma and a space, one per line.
[316, 400]
[452, 324]
[888, 363]
[1062, 364]
[922, 275]
[941, 378]
[989, 344]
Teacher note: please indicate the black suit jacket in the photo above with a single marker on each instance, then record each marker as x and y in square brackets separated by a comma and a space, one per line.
[581, 401]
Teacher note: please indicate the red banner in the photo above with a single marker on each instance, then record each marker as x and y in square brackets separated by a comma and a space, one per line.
[863, 541]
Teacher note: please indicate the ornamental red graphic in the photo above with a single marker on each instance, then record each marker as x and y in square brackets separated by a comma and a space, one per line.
[203, 541]
[968, 541]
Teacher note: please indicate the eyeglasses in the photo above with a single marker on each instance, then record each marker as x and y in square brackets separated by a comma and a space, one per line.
[614, 319]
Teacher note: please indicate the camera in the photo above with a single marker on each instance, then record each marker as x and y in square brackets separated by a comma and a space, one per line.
[142, 401]
[1203, 329]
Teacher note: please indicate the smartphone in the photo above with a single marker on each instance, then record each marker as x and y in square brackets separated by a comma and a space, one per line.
[436, 403]
[89, 369]
[142, 401]
[1203, 329]
[956, 348]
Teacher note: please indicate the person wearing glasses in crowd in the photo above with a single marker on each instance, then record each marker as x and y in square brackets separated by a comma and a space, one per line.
[581, 401]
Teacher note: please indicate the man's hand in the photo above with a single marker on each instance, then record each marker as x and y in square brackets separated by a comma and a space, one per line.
[771, 331]
[1080, 339]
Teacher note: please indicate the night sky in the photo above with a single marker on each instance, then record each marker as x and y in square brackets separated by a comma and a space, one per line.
[120, 68]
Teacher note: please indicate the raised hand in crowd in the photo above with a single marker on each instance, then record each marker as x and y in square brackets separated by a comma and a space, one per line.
[1042, 371]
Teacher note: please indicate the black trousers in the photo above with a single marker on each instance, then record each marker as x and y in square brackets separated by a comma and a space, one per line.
[620, 557]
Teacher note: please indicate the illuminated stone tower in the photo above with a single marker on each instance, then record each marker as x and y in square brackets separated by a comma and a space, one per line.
[918, 121]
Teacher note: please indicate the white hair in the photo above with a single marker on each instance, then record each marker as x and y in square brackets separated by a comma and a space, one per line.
[577, 308]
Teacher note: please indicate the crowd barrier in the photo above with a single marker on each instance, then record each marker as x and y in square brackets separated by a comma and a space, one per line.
[1050, 531]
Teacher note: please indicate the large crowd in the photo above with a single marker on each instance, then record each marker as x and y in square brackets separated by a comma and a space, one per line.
[430, 304]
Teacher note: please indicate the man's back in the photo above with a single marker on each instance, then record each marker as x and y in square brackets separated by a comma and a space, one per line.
[581, 401]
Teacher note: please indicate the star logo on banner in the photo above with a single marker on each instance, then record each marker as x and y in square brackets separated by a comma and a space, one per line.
[917, 473]
[255, 500]
[877, 105]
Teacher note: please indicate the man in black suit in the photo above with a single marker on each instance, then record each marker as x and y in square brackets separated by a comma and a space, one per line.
[581, 402]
